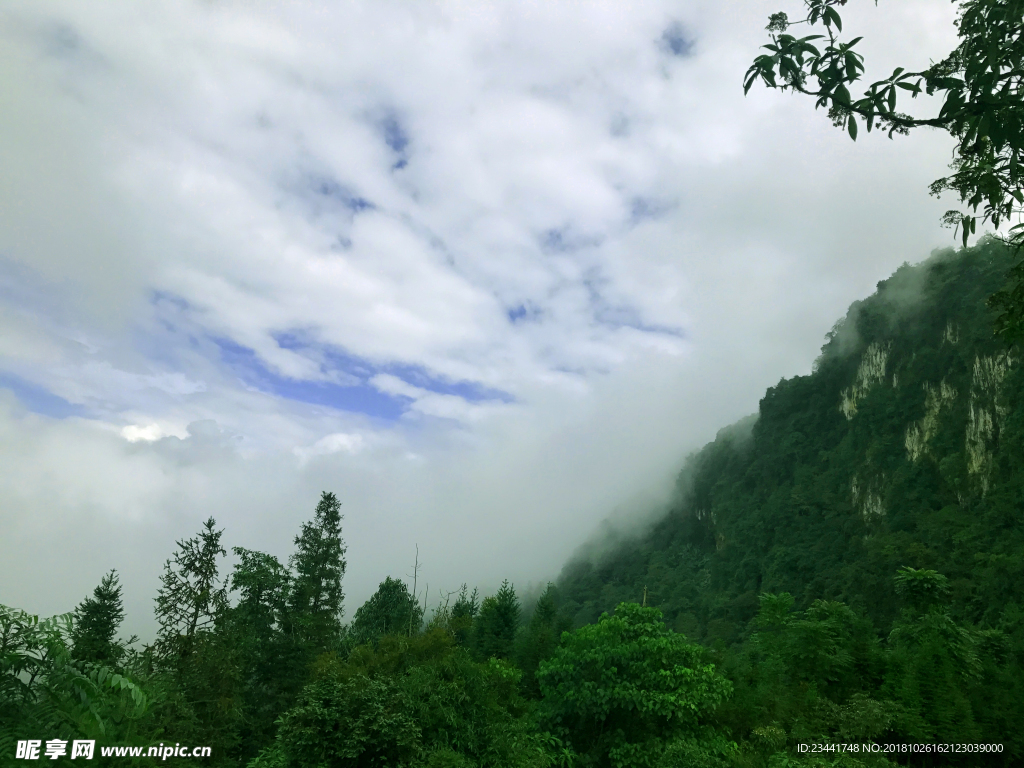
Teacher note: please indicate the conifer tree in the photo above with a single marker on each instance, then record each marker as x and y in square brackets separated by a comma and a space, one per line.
[462, 615]
[191, 609]
[540, 638]
[96, 621]
[494, 631]
[269, 661]
[319, 565]
[191, 596]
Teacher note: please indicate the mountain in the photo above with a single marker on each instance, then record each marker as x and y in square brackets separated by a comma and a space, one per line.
[903, 447]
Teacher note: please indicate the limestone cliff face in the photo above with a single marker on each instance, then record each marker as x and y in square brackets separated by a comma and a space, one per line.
[982, 386]
[905, 446]
[870, 372]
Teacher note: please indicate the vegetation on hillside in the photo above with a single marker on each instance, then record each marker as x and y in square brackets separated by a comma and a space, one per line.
[839, 569]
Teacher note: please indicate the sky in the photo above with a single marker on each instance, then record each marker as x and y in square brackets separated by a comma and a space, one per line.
[487, 271]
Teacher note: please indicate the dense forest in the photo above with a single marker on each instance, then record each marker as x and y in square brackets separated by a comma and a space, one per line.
[838, 571]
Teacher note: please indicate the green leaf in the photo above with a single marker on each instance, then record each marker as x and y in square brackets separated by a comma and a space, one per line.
[852, 127]
[832, 17]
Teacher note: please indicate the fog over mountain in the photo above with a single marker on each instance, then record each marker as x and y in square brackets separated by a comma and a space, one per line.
[488, 272]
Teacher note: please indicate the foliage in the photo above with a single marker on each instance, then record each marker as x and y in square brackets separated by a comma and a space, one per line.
[268, 659]
[319, 566]
[390, 610]
[847, 559]
[619, 689]
[539, 639]
[45, 690]
[355, 722]
[982, 87]
[94, 629]
[433, 704]
[494, 628]
[883, 494]
[191, 595]
[981, 83]
[463, 612]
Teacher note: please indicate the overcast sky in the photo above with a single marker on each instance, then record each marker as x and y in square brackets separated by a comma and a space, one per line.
[487, 271]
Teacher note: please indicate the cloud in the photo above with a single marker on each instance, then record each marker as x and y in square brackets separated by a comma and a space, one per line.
[328, 444]
[486, 271]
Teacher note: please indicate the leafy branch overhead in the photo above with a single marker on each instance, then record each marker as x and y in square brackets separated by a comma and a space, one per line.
[981, 82]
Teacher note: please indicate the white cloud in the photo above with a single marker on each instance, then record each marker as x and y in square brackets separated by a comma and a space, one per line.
[328, 444]
[564, 256]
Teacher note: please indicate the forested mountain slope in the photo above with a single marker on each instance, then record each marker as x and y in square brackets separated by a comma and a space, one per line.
[904, 447]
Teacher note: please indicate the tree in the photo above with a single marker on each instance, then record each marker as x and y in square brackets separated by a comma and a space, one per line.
[268, 658]
[982, 84]
[355, 722]
[44, 690]
[935, 661]
[494, 631]
[191, 596]
[96, 621]
[392, 610]
[540, 638]
[623, 689]
[192, 647]
[462, 615]
[319, 565]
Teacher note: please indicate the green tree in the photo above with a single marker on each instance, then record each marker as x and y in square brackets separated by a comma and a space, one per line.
[494, 629]
[44, 690]
[96, 620]
[391, 610]
[354, 722]
[540, 638]
[462, 615]
[192, 648]
[319, 566]
[621, 690]
[466, 713]
[191, 596]
[982, 85]
[935, 662]
[268, 658]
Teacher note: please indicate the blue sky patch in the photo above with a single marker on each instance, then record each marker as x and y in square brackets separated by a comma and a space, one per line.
[675, 42]
[517, 313]
[397, 138]
[564, 239]
[38, 399]
[470, 391]
[339, 193]
[524, 312]
[359, 396]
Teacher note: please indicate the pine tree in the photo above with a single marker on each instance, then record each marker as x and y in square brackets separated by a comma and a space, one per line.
[191, 597]
[494, 631]
[193, 646]
[268, 658]
[96, 621]
[319, 565]
[462, 615]
[540, 638]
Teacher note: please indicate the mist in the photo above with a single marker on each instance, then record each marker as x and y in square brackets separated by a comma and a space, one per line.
[488, 273]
